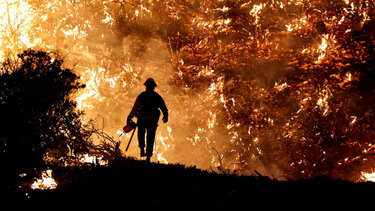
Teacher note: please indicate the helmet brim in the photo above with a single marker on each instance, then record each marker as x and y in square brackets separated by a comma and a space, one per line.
[150, 84]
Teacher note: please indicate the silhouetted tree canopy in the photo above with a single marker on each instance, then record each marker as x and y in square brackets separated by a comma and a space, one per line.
[37, 113]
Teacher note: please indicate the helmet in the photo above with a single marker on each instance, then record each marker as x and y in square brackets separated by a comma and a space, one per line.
[150, 82]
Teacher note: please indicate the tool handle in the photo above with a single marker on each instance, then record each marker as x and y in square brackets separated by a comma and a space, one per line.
[127, 147]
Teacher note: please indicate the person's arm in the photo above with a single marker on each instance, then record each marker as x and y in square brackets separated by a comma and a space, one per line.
[134, 109]
[164, 109]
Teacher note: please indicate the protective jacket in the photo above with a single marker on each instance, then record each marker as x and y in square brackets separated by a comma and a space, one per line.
[147, 105]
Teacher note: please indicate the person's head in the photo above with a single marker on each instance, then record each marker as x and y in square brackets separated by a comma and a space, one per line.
[150, 84]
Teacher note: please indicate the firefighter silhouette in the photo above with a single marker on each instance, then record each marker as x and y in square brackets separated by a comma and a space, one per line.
[146, 110]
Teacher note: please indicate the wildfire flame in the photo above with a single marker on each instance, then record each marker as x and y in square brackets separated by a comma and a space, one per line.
[368, 177]
[249, 85]
[46, 182]
[91, 159]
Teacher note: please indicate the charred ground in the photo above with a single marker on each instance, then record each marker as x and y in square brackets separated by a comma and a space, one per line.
[129, 184]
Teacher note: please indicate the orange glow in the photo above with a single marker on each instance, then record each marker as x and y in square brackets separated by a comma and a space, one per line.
[240, 79]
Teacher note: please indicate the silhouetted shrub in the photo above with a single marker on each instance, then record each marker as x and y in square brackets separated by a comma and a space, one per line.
[37, 112]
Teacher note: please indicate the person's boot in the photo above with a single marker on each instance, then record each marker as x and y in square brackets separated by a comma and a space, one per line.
[148, 159]
[143, 154]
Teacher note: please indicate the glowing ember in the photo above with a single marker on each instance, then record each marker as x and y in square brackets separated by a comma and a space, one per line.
[46, 182]
[91, 159]
[322, 48]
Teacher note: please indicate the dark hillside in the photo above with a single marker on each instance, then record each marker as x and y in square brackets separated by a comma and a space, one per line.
[128, 184]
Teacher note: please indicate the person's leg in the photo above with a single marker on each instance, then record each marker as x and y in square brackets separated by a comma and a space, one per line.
[151, 131]
[148, 159]
[141, 138]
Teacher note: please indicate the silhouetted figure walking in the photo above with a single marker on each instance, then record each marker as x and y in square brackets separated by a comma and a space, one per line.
[146, 110]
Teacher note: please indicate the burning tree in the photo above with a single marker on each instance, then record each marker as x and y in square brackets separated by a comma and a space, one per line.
[297, 83]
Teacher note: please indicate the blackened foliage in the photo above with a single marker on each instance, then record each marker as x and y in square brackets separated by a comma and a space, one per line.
[36, 111]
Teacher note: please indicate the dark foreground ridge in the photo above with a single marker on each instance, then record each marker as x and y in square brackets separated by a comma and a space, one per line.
[128, 184]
